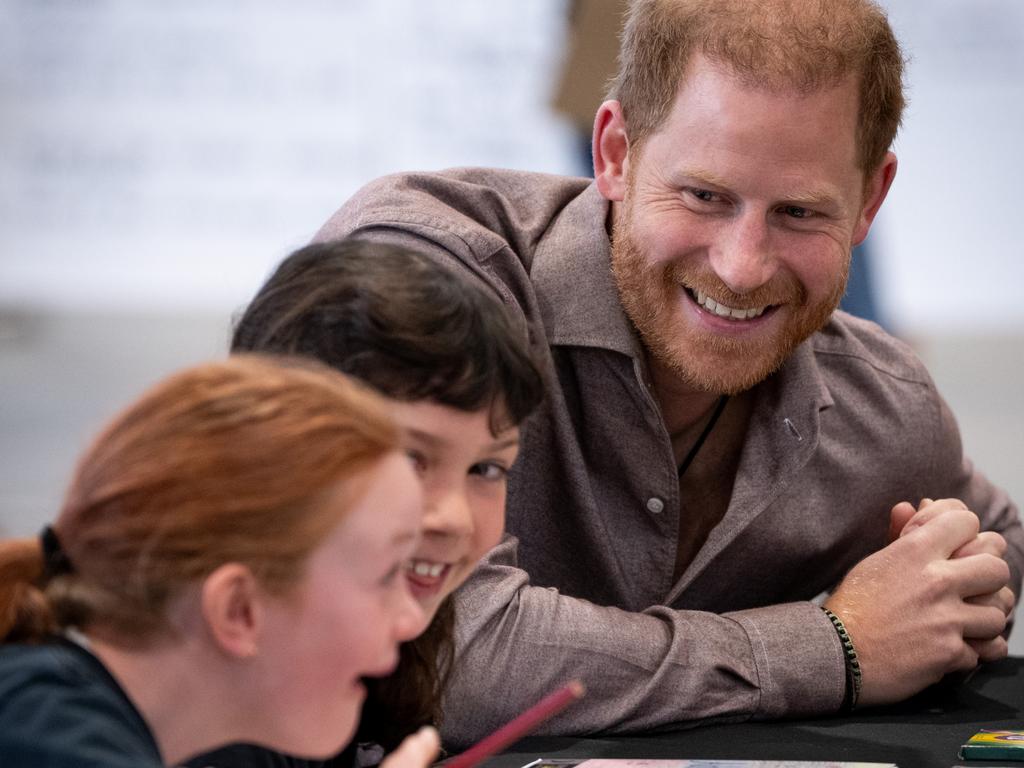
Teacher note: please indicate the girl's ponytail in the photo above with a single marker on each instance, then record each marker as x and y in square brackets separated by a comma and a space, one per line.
[25, 612]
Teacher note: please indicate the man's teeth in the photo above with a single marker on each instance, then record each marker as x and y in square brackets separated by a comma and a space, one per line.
[723, 311]
[423, 568]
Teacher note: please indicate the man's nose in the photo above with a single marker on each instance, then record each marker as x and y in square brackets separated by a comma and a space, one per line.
[743, 258]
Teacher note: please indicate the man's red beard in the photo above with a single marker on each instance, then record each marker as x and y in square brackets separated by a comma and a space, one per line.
[705, 361]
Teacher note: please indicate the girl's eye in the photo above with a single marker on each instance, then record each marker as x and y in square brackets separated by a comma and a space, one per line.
[490, 470]
[389, 578]
[419, 461]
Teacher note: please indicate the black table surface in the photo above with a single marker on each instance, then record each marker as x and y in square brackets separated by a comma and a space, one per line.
[923, 732]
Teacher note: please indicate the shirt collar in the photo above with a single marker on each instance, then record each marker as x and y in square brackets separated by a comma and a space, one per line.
[799, 385]
[572, 274]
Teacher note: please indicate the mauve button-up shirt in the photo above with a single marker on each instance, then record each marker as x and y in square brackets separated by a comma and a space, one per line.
[582, 585]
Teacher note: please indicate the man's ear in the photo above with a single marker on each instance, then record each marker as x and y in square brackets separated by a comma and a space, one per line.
[611, 151]
[875, 189]
[231, 603]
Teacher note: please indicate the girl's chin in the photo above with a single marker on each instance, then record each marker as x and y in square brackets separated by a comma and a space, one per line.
[430, 604]
[323, 746]
[430, 596]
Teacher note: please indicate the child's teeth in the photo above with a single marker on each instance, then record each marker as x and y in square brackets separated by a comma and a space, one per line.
[421, 568]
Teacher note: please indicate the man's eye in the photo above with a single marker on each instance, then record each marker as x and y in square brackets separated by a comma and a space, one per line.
[704, 195]
[796, 212]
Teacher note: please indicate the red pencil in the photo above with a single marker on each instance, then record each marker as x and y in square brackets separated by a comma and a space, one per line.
[515, 729]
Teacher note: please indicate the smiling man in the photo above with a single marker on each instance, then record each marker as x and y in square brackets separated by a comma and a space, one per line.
[720, 450]
[752, 221]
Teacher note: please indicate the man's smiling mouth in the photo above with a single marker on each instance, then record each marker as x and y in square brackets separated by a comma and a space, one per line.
[707, 303]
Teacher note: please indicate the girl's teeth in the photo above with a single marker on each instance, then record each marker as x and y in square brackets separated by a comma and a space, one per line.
[422, 568]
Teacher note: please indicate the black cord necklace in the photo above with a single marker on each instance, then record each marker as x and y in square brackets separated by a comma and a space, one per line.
[703, 436]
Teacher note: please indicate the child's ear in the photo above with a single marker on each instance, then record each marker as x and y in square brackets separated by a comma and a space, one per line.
[231, 604]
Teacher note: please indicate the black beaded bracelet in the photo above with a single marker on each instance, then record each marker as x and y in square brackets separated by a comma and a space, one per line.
[852, 662]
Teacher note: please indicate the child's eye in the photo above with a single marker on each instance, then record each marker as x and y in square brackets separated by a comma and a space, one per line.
[419, 461]
[490, 470]
[389, 578]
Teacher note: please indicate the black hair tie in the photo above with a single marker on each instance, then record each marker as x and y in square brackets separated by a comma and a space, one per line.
[55, 559]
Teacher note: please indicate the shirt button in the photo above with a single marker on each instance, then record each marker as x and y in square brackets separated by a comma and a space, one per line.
[655, 505]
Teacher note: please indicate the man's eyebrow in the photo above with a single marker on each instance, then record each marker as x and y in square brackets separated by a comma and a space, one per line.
[702, 176]
[815, 196]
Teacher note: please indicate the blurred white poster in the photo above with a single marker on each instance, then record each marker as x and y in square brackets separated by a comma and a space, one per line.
[167, 155]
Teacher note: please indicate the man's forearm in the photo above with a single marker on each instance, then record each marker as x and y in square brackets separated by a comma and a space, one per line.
[643, 671]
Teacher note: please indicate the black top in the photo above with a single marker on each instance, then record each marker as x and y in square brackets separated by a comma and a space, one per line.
[248, 756]
[925, 731]
[61, 708]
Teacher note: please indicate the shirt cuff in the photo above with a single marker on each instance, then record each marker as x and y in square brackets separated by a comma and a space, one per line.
[798, 657]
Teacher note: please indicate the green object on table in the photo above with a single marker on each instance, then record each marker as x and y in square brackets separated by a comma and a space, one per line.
[994, 745]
